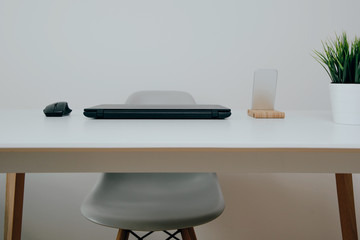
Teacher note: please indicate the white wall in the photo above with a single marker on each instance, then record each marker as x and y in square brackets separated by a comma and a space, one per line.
[90, 52]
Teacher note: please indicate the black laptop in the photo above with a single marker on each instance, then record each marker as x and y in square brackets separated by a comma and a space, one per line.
[131, 111]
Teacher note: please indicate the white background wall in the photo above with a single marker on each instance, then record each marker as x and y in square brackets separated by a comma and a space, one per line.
[90, 52]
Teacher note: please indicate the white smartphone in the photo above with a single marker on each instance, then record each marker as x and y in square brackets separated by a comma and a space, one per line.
[264, 89]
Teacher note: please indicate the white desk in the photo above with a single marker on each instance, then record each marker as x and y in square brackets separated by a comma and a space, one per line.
[302, 142]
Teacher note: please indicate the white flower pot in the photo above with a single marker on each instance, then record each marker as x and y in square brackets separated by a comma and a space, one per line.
[345, 103]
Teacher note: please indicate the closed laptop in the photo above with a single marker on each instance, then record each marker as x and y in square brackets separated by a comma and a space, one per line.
[130, 111]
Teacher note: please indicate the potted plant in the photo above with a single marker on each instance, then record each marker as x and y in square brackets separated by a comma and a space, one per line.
[341, 61]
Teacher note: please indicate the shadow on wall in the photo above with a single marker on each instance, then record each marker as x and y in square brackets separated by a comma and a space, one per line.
[277, 206]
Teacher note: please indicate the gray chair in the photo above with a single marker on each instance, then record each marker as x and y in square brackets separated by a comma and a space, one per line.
[155, 201]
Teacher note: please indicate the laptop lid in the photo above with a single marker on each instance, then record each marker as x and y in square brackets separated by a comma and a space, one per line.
[152, 111]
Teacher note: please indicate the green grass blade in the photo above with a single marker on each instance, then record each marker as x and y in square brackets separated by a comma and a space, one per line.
[357, 69]
[345, 67]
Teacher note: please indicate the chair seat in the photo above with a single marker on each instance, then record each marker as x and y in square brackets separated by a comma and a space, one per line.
[154, 201]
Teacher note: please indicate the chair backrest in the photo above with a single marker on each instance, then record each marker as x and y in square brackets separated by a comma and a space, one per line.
[160, 97]
[200, 189]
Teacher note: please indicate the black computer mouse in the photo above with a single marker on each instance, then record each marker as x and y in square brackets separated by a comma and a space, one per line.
[57, 109]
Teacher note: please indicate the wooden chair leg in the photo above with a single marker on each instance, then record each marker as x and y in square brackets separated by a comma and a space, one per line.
[122, 235]
[188, 234]
[192, 233]
[345, 195]
[185, 234]
[15, 183]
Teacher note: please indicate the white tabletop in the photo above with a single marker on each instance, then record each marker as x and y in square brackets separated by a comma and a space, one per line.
[31, 129]
[302, 142]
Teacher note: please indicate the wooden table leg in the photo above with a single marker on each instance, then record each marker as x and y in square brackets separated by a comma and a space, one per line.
[345, 195]
[14, 205]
